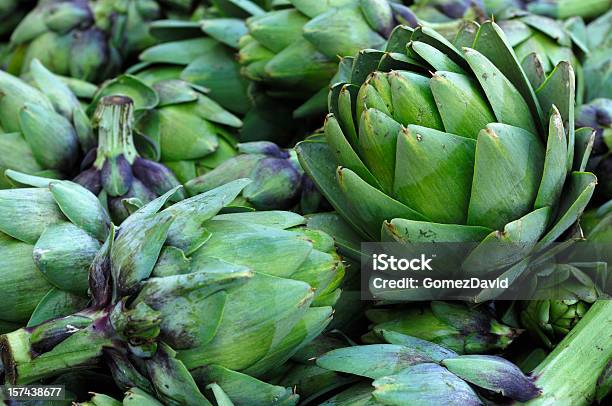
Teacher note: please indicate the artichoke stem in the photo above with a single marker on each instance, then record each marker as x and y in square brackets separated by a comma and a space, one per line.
[81, 349]
[569, 374]
[114, 119]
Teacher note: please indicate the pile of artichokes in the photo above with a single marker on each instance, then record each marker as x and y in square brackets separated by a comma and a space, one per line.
[190, 191]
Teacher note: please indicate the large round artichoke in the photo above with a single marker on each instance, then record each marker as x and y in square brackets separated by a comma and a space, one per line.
[438, 142]
[232, 292]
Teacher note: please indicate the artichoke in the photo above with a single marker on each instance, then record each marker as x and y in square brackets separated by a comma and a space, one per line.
[118, 172]
[185, 289]
[43, 128]
[278, 179]
[411, 371]
[49, 235]
[454, 326]
[430, 143]
[293, 51]
[87, 40]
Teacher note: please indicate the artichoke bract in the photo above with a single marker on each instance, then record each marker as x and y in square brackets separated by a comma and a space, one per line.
[185, 289]
[87, 40]
[411, 371]
[432, 142]
[118, 172]
[278, 179]
[43, 128]
[49, 235]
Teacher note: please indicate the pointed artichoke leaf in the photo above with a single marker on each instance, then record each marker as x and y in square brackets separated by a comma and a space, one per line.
[372, 212]
[172, 381]
[413, 101]
[414, 231]
[372, 361]
[507, 172]
[225, 30]
[507, 103]
[377, 144]
[28, 180]
[426, 384]
[60, 95]
[366, 62]
[344, 153]
[318, 161]
[243, 388]
[493, 44]
[178, 52]
[345, 238]
[466, 35]
[23, 285]
[51, 137]
[56, 303]
[191, 213]
[559, 90]
[346, 112]
[431, 37]
[273, 218]
[512, 274]
[26, 213]
[454, 95]
[63, 253]
[577, 194]
[212, 111]
[433, 173]
[434, 57]
[555, 170]
[532, 65]
[81, 207]
[434, 351]
[135, 251]
[16, 154]
[495, 374]
[504, 248]
[174, 91]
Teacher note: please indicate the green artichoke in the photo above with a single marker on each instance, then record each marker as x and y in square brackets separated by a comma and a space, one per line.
[411, 371]
[293, 51]
[43, 128]
[86, 40]
[562, 9]
[185, 289]
[430, 143]
[454, 326]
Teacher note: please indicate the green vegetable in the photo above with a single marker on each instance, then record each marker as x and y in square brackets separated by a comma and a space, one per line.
[233, 295]
[430, 143]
